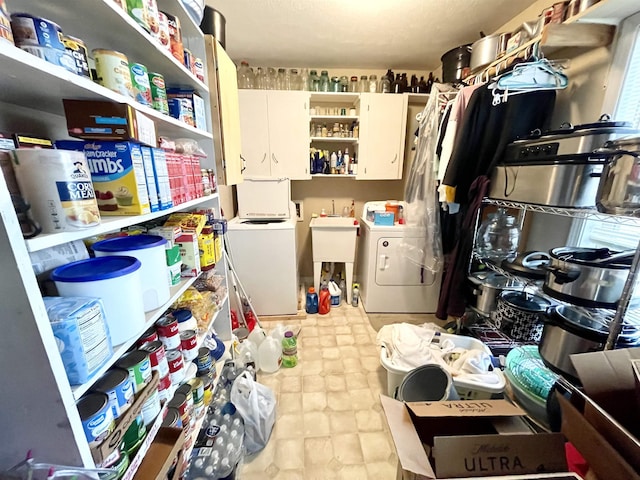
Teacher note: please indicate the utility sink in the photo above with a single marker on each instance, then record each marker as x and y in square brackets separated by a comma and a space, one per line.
[333, 222]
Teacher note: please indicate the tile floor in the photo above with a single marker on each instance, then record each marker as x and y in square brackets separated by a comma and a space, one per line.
[330, 423]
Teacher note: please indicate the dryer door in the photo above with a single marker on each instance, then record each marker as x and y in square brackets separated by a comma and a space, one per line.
[394, 268]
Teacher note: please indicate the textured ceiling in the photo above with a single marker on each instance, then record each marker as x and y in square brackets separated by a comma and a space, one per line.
[404, 34]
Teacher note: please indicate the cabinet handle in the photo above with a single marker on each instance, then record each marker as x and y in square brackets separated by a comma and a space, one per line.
[395, 159]
[273, 157]
[264, 158]
[243, 162]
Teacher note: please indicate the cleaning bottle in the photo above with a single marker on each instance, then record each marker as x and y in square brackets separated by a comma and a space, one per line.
[289, 350]
[352, 210]
[355, 294]
[312, 301]
[343, 290]
[324, 304]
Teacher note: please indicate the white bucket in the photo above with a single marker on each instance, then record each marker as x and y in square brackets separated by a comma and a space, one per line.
[57, 184]
[149, 249]
[116, 280]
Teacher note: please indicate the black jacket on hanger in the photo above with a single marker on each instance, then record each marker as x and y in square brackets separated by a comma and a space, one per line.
[487, 129]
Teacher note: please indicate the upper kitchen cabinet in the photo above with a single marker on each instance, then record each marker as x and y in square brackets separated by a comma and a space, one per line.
[383, 120]
[225, 115]
[275, 133]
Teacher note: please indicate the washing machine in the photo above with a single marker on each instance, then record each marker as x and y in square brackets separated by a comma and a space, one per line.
[389, 281]
[262, 245]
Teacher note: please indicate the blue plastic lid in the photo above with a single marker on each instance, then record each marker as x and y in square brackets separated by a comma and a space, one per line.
[182, 315]
[100, 268]
[219, 350]
[132, 242]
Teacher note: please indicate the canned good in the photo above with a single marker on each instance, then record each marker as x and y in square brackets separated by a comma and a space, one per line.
[134, 435]
[187, 58]
[185, 389]
[112, 71]
[121, 465]
[165, 389]
[203, 360]
[137, 9]
[36, 31]
[163, 35]
[149, 336]
[158, 93]
[175, 37]
[189, 345]
[138, 365]
[168, 332]
[198, 69]
[197, 390]
[151, 408]
[96, 416]
[140, 84]
[5, 23]
[179, 402]
[157, 357]
[172, 418]
[176, 366]
[116, 384]
[152, 18]
[78, 51]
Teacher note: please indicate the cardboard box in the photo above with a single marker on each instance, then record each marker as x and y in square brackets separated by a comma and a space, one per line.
[100, 120]
[189, 253]
[152, 189]
[117, 173]
[165, 451]
[468, 439]
[161, 175]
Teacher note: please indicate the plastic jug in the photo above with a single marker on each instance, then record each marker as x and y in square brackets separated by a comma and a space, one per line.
[335, 293]
[270, 355]
[312, 301]
[324, 305]
[257, 336]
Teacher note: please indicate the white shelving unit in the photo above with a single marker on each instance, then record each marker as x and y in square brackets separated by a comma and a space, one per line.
[334, 139]
[38, 402]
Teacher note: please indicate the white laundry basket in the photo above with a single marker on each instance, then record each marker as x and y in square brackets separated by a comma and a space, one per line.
[467, 388]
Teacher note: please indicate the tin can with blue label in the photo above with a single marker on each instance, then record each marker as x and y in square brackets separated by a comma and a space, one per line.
[96, 416]
[140, 84]
[117, 385]
[35, 31]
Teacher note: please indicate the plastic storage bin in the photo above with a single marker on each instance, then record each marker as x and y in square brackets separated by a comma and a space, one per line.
[467, 388]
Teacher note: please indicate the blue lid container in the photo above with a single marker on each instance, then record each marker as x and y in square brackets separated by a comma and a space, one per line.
[92, 269]
[132, 242]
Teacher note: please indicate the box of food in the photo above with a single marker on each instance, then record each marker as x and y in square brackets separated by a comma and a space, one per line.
[189, 253]
[117, 173]
[100, 120]
[152, 188]
[161, 175]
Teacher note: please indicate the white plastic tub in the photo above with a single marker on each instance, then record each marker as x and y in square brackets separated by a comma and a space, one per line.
[467, 388]
[150, 250]
[115, 280]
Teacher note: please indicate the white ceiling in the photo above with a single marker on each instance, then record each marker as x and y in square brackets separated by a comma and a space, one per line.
[400, 34]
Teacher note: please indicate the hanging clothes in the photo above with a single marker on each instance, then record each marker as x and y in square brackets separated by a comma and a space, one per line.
[487, 129]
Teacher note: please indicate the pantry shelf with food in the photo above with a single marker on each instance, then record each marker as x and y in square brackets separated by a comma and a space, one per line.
[334, 139]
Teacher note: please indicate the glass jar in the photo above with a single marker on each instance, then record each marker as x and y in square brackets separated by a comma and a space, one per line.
[246, 79]
[294, 79]
[261, 79]
[344, 83]
[335, 85]
[314, 81]
[373, 84]
[353, 85]
[271, 79]
[364, 84]
[385, 85]
[324, 81]
[304, 80]
[498, 236]
[281, 79]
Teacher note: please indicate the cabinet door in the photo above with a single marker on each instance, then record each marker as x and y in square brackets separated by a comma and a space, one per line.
[383, 119]
[254, 128]
[289, 134]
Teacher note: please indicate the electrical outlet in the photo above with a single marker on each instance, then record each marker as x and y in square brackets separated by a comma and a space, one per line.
[299, 210]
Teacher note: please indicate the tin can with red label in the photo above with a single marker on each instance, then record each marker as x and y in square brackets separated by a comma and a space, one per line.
[185, 389]
[165, 389]
[189, 345]
[179, 402]
[175, 37]
[176, 366]
[168, 332]
[147, 337]
[198, 69]
[157, 356]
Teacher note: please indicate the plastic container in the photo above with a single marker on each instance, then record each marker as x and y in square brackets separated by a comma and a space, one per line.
[324, 303]
[355, 295]
[186, 320]
[428, 383]
[289, 350]
[270, 355]
[467, 388]
[335, 293]
[149, 249]
[117, 281]
[312, 301]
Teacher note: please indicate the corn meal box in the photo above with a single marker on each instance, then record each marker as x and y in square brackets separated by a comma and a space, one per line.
[195, 110]
[117, 173]
[161, 175]
[189, 253]
[152, 188]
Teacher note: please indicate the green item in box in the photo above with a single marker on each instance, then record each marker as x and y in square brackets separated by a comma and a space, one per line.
[173, 255]
[134, 434]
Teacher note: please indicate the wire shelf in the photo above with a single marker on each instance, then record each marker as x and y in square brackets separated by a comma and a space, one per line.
[579, 213]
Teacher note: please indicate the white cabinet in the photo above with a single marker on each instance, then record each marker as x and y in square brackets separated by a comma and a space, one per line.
[383, 120]
[38, 403]
[275, 133]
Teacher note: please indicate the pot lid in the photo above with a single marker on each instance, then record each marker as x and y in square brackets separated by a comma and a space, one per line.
[528, 264]
[526, 301]
[603, 125]
[629, 142]
[591, 326]
[593, 257]
[492, 279]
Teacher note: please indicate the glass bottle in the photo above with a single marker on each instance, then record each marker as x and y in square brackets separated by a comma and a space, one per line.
[271, 79]
[353, 84]
[385, 85]
[261, 79]
[404, 84]
[294, 79]
[422, 86]
[246, 78]
[324, 81]
[430, 82]
[413, 88]
[396, 86]
[314, 81]
[373, 84]
[364, 84]
[498, 236]
[281, 79]
[335, 84]
[304, 80]
[344, 83]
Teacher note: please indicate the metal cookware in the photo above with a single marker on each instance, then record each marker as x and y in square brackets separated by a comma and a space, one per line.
[214, 23]
[485, 50]
[455, 64]
[530, 265]
[520, 315]
[485, 288]
[590, 277]
[569, 330]
[619, 189]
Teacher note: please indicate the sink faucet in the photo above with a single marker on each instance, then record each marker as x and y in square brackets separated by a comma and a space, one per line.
[333, 207]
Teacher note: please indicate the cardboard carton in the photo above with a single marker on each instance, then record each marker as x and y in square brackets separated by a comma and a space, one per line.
[165, 451]
[468, 439]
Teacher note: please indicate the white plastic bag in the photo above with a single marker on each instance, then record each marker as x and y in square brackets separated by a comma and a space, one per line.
[256, 404]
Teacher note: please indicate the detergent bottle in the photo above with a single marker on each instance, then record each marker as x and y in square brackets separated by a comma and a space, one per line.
[312, 301]
[324, 305]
